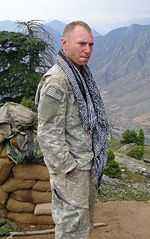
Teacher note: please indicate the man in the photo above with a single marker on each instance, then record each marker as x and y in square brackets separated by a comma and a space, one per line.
[72, 132]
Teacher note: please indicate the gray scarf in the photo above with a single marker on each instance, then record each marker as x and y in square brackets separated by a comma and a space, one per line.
[91, 109]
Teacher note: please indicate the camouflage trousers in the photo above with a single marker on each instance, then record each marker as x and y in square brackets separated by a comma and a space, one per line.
[73, 201]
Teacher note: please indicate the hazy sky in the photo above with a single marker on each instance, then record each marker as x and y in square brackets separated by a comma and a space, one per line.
[98, 13]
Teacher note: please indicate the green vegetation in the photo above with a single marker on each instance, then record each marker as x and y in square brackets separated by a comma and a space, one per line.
[135, 148]
[36, 29]
[136, 152]
[140, 138]
[128, 187]
[115, 144]
[6, 227]
[126, 184]
[19, 60]
[23, 59]
[110, 155]
[131, 177]
[112, 168]
[131, 136]
[122, 192]
[28, 102]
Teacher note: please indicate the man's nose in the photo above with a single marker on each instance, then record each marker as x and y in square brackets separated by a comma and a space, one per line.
[88, 48]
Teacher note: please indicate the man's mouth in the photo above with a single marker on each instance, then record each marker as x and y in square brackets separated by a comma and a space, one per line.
[85, 57]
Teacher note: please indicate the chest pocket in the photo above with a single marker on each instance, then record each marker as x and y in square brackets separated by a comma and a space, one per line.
[72, 110]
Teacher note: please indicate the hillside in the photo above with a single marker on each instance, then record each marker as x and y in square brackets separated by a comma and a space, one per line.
[122, 53]
[120, 63]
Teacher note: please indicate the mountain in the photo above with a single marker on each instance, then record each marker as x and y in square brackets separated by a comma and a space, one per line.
[121, 53]
[57, 26]
[139, 21]
[8, 25]
[56, 35]
[121, 65]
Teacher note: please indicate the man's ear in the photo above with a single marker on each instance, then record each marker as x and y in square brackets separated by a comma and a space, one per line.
[63, 41]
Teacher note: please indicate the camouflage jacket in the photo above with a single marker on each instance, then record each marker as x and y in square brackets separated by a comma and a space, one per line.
[63, 141]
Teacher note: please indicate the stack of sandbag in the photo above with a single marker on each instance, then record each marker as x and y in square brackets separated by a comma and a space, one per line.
[25, 194]
[5, 170]
[24, 185]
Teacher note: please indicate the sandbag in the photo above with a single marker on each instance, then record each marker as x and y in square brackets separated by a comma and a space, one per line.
[3, 197]
[41, 197]
[3, 212]
[42, 186]
[13, 184]
[31, 196]
[17, 206]
[22, 195]
[5, 169]
[43, 209]
[33, 172]
[29, 218]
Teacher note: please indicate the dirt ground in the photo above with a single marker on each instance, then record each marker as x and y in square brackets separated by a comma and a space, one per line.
[124, 219]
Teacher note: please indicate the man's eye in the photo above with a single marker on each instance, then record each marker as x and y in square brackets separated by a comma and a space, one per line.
[82, 43]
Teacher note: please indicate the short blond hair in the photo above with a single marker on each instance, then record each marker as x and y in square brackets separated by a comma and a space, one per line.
[70, 26]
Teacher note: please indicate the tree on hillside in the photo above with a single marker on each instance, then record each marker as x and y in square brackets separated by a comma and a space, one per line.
[112, 168]
[129, 136]
[141, 137]
[19, 59]
[35, 29]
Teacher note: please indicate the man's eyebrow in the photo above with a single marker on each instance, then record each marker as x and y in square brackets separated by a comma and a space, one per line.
[85, 42]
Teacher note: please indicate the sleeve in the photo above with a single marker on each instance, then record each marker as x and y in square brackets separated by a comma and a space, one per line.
[51, 130]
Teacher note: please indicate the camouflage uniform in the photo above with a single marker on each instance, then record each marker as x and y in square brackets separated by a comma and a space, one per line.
[67, 151]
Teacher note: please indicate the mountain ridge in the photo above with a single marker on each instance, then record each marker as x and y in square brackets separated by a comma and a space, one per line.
[120, 64]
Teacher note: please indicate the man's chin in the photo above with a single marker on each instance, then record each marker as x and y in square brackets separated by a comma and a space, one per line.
[84, 62]
[81, 62]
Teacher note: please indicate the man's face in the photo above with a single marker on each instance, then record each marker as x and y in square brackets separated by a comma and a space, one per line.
[77, 45]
